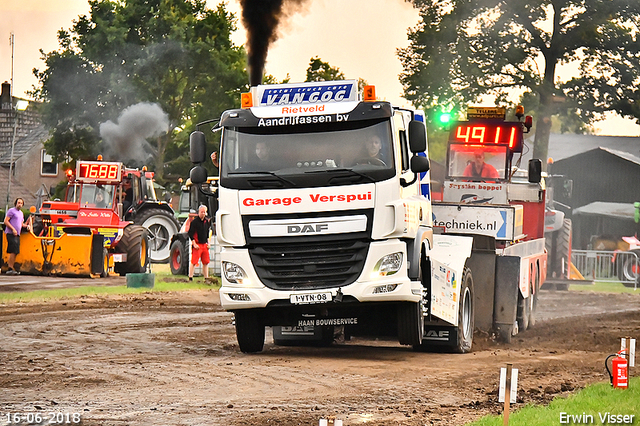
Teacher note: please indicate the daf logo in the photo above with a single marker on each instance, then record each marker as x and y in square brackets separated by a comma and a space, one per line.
[437, 335]
[307, 229]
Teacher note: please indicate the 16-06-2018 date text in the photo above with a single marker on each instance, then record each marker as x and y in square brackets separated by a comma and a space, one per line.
[41, 418]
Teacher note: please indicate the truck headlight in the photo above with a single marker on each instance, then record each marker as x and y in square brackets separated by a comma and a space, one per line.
[234, 273]
[388, 265]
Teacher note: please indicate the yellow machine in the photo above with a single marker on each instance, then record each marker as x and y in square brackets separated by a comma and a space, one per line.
[66, 254]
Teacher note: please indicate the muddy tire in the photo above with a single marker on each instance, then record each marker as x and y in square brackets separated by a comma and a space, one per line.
[525, 305]
[410, 324]
[466, 322]
[524, 311]
[135, 243]
[162, 226]
[179, 257]
[534, 297]
[249, 331]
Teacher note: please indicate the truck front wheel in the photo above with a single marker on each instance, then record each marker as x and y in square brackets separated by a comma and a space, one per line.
[465, 315]
[410, 324]
[249, 331]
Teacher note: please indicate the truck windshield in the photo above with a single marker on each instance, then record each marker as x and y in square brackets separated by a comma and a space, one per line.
[307, 156]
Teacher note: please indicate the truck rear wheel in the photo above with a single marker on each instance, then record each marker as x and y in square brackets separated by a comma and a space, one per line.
[249, 331]
[410, 324]
[179, 257]
[162, 226]
[524, 311]
[534, 297]
[135, 243]
[466, 322]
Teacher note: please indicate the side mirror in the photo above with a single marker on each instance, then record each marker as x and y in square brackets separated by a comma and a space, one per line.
[535, 170]
[417, 137]
[198, 175]
[197, 148]
[419, 164]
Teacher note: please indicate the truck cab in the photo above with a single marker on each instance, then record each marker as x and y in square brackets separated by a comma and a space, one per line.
[321, 218]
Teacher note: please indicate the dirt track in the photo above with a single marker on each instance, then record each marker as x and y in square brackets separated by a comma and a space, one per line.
[172, 359]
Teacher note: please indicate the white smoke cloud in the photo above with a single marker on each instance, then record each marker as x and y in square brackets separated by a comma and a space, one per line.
[126, 140]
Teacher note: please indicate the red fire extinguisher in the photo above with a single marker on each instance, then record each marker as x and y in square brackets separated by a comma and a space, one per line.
[620, 375]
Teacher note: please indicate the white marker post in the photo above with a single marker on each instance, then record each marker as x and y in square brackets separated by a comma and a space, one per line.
[330, 421]
[508, 380]
[630, 355]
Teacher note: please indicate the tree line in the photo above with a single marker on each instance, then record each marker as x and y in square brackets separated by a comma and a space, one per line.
[178, 54]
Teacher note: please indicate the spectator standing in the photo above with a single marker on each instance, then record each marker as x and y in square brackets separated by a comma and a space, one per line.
[14, 222]
[199, 229]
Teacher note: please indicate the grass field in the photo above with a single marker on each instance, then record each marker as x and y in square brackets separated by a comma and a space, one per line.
[604, 287]
[164, 281]
[591, 405]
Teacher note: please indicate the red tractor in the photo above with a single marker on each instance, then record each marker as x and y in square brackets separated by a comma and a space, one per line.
[86, 233]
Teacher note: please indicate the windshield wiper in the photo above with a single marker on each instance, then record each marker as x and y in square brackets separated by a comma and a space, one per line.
[351, 173]
[262, 182]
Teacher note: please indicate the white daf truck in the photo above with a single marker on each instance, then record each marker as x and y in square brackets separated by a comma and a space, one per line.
[322, 222]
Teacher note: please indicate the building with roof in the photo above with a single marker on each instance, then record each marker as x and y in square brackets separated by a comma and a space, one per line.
[605, 172]
[32, 167]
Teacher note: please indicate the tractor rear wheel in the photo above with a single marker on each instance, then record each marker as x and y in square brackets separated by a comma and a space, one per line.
[135, 243]
[162, 226]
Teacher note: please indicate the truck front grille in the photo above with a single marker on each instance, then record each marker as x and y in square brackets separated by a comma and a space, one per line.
[309, 265]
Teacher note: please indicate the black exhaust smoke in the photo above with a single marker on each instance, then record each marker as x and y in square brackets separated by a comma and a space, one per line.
[261, 19]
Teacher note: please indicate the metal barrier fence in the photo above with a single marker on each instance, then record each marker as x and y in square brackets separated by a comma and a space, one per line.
[612, 266]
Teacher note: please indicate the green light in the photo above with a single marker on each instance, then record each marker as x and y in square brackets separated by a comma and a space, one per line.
[445, 117]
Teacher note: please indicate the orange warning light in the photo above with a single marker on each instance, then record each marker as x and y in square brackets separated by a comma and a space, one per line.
[369, 93]
[246, 100]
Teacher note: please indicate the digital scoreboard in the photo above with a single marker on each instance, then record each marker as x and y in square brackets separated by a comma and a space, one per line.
[93, 171]
[488, 132]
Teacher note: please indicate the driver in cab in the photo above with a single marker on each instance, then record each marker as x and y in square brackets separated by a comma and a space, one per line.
[263, 159]
[373, 152]
[477, 168]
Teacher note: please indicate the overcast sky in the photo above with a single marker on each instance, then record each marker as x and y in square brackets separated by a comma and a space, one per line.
[358, 36]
